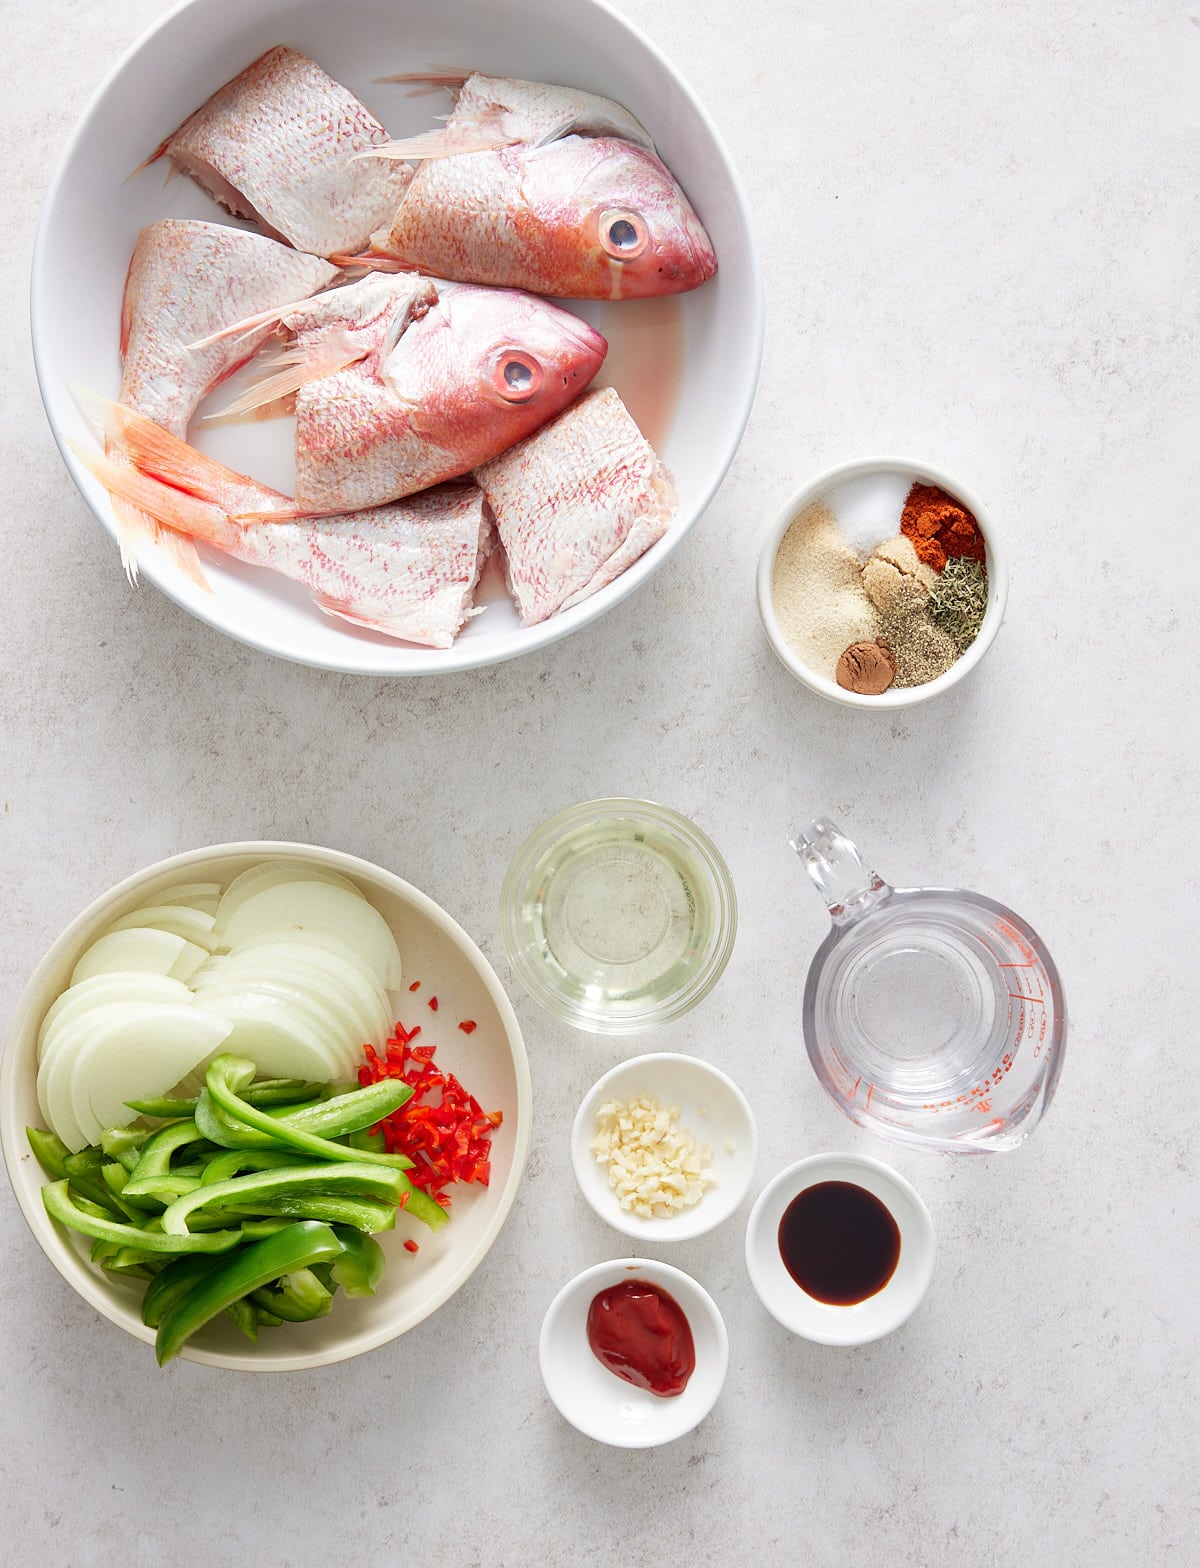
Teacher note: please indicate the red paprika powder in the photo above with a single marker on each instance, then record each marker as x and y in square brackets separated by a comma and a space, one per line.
[940, 527]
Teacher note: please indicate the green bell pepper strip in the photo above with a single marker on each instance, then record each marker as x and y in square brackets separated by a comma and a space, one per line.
[155, 1158]
[233, 1161]
[340, 1180]
[233, 1121]
[49, 1151]
[86, 1163]
[298, 1297]
[116, 1141]
[245, 1316]
[249, 1269]
[268, 1091]
[163, 1190]
[116, 1179]
[62, 1207]
[266, 1319]
[361, 1265]
[172, 1284]
[365, 1214]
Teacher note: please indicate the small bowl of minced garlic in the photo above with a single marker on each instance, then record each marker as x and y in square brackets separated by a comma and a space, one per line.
[882, 583]
[663, 1147]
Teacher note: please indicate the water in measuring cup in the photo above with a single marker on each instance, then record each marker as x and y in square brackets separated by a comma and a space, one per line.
[922, 1007]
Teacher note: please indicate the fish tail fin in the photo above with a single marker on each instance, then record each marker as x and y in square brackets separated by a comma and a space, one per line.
[161, 456]
[153, 158]
[302, 363]
[168, 507]
[136, 529]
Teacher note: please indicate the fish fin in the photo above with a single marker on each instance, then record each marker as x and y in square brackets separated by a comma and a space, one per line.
[301, 363]
[264, 318]
[168, 507]
[161, 456]
[428, 81]
[371, 260]
[136, 529]
[450, 142]
[153, 158]
[287, 514]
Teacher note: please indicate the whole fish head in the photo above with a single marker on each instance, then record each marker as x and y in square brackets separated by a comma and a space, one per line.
[488, 366]
[612, 220]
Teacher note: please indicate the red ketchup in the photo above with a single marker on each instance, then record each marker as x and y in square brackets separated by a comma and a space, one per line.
[639, 1332]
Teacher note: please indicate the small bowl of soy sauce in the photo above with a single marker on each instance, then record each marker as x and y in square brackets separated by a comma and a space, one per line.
[840, 1249]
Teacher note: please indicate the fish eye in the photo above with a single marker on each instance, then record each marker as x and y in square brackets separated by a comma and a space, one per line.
[623, 235]
[516, 375]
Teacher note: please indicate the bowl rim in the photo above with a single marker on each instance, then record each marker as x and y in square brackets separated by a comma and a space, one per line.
[464, 654]
[530, 974]
[670, 1278]
[689, 1223]
[88, 1285]
[813, 490]
[925, 1238]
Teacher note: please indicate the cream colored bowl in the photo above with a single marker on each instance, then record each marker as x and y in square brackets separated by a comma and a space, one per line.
[490, 1061]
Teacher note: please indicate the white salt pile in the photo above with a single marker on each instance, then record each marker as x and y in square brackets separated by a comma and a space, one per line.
[868, 510]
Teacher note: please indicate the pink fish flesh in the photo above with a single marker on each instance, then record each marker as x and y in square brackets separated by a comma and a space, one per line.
[576, 504]
[278, 144]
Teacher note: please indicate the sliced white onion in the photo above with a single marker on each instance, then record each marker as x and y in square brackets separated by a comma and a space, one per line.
[292, 908]
[155, 952]
[195, 895]
[121, 988]
[319, 965]
[191, 924]
[271, 873]
[282, 1039]
[144, 1053]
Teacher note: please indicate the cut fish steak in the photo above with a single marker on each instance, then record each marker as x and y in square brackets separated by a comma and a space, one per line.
[576, 504]
[278, 144]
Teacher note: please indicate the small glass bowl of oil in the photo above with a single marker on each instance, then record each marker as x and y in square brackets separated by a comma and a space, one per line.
[618, 915]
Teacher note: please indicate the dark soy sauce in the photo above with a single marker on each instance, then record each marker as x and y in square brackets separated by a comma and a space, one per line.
[839, 1242]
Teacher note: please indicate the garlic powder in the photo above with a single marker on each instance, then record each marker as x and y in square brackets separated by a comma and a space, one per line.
[655, 1166]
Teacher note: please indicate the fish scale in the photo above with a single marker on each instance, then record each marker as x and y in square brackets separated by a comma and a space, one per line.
[279, 144]
[576, 504]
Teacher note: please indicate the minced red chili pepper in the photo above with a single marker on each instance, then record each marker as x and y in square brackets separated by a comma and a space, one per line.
[468, 1026]
[442, 1128]
[432, 1004]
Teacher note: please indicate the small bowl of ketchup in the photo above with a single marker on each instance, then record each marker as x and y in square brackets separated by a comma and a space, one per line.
[633, 1353]
[840, 1249]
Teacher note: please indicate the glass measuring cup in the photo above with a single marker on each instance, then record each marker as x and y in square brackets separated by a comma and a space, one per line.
[931, 1015]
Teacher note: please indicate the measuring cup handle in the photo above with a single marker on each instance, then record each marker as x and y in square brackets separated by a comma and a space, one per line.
[837, 870]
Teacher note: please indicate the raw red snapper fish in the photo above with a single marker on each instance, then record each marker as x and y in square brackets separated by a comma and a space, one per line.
[404, 381]
[277, 144]
[576, 504]
[408, 570]
[189, 280]
[545, 188]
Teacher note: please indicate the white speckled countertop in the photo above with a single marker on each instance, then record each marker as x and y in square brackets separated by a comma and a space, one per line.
[980, 226]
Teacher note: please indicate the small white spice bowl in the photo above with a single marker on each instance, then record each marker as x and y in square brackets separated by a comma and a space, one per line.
[596, 1401]
[827, 1324]
[817, 490]
[711, 1107]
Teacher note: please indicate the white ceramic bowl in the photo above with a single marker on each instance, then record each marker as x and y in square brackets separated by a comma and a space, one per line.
[93, 209]
[801, 1313]
[997, 568]
[490, 1061]
[711, 1107]
[597, 1402]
